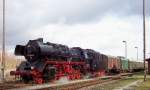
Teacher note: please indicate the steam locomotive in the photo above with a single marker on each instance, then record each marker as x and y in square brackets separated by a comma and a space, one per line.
[49, 61]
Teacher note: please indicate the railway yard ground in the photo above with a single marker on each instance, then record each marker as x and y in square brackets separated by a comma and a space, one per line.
[134, 82]
[130, 83]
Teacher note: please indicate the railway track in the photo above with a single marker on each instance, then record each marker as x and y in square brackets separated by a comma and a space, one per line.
[75, 86]
[72, 85]
[13, 84]
[82, 84]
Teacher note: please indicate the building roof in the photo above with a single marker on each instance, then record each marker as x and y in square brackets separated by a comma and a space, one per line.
[148, 59]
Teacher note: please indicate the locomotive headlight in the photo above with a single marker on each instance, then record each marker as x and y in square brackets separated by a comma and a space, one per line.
[32, 67]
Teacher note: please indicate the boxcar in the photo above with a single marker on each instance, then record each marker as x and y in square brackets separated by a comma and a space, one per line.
[124, 64]
[111, 63]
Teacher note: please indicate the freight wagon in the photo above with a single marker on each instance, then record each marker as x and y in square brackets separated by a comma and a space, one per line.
[114, 64]
[136, 66]
[111, 64]
[124, 64]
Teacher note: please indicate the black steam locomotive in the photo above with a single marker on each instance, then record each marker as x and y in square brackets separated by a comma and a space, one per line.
[50, 61]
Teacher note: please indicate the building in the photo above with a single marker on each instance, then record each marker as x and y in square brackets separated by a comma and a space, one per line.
[148, 60]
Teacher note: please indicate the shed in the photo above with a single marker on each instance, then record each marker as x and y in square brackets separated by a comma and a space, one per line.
[148, 60]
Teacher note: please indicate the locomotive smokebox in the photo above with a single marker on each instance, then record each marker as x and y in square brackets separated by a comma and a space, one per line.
[30, 51]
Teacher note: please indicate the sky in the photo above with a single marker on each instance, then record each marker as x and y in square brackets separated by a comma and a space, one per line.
[101, 25]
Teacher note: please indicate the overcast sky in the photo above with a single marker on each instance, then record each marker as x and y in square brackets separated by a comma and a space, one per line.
[101, 25]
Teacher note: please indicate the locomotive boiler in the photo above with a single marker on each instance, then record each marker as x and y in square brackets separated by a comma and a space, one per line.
[37, 50]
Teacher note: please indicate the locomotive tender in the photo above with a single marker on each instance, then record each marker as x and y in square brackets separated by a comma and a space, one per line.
[50, 61]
